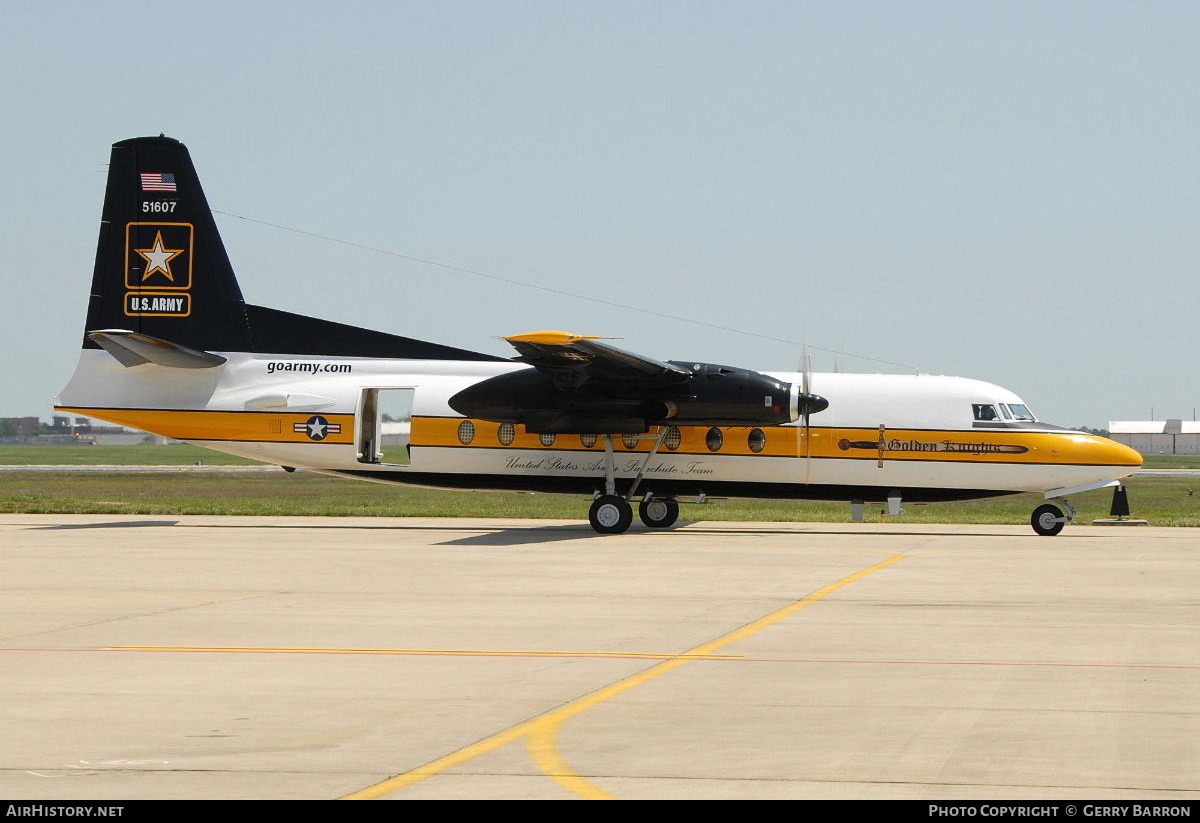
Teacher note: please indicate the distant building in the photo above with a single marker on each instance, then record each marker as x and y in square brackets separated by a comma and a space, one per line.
[74, 431]
[82, 425]
[64, 425]
[1157, 436]
[103, 435]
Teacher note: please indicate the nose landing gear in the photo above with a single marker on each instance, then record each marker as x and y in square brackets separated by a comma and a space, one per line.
[1048, 519]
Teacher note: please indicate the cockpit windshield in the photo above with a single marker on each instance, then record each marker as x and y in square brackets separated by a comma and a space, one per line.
[994, 412]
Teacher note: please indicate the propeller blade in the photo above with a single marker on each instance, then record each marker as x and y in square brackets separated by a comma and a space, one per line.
[805, 395]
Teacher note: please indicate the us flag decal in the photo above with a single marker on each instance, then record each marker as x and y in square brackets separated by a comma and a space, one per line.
[157, 181]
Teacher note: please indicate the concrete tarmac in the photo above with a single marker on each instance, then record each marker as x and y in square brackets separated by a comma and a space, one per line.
[150, 657]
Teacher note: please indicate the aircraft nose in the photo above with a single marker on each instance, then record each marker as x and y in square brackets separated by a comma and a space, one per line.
[1107, 452]
[1092, 450]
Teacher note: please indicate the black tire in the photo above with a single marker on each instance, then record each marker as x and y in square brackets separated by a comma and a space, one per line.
[610, 514]
[659, 512]
[1047, 520]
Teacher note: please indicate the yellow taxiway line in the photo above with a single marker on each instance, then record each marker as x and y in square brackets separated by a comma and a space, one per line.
[541, 733]
[415, 652]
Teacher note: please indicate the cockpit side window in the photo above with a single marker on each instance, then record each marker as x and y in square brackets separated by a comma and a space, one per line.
[1004, 411]
[985, 411]
[1020, 411]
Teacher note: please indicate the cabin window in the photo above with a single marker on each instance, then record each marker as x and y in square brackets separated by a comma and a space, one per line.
[547, 440]
[466, 432]
[757, 440]
[714, 439]
[588, 440]
[630, 441]
[506, 434]
[674, 439]
[985, 411]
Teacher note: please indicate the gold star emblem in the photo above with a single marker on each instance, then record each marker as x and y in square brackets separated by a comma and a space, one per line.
[159, 258]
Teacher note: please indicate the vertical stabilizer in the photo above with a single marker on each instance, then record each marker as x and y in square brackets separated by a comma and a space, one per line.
[162, 273]
[161, 268]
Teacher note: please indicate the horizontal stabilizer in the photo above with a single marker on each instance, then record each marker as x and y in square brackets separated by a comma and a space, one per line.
[134, 349]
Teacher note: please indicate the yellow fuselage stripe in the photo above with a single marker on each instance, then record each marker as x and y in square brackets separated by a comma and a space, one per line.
[970, 446]
[235, 426]
[958, 446]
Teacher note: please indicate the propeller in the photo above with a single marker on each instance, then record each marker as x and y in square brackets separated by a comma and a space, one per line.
[810, 404]
[805, 394]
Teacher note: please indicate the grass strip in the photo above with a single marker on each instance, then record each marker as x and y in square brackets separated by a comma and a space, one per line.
[1162, 501]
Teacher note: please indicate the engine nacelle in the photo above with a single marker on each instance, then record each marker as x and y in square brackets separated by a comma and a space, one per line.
[708, 394]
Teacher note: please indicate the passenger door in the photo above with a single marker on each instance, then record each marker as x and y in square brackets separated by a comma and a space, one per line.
[385, 426]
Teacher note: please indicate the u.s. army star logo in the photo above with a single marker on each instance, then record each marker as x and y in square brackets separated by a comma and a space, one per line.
[158, 269]
[159, 258]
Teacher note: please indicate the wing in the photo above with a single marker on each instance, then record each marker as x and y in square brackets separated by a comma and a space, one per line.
[573, 361]
[582, 385]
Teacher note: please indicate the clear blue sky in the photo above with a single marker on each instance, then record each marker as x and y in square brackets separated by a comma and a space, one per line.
[1005, 191]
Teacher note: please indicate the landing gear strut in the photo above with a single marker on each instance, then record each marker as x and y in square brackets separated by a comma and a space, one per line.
[612, 514]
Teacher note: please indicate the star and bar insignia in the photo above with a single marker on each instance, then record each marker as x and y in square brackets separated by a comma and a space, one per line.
[317, 428]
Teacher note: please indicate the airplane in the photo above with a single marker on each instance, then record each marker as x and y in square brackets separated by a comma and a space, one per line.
[171, 347]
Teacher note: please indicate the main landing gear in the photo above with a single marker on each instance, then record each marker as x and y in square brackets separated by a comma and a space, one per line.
[612, 514]
[659, 512]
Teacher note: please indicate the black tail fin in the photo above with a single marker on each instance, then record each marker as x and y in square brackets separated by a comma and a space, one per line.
[162, 271]
[161, 268]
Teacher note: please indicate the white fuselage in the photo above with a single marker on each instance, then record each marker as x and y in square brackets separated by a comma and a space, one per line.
[879, 432]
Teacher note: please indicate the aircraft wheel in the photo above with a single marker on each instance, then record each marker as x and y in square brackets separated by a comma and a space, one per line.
[1047, 520]
[610, 514]
[659, 512]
